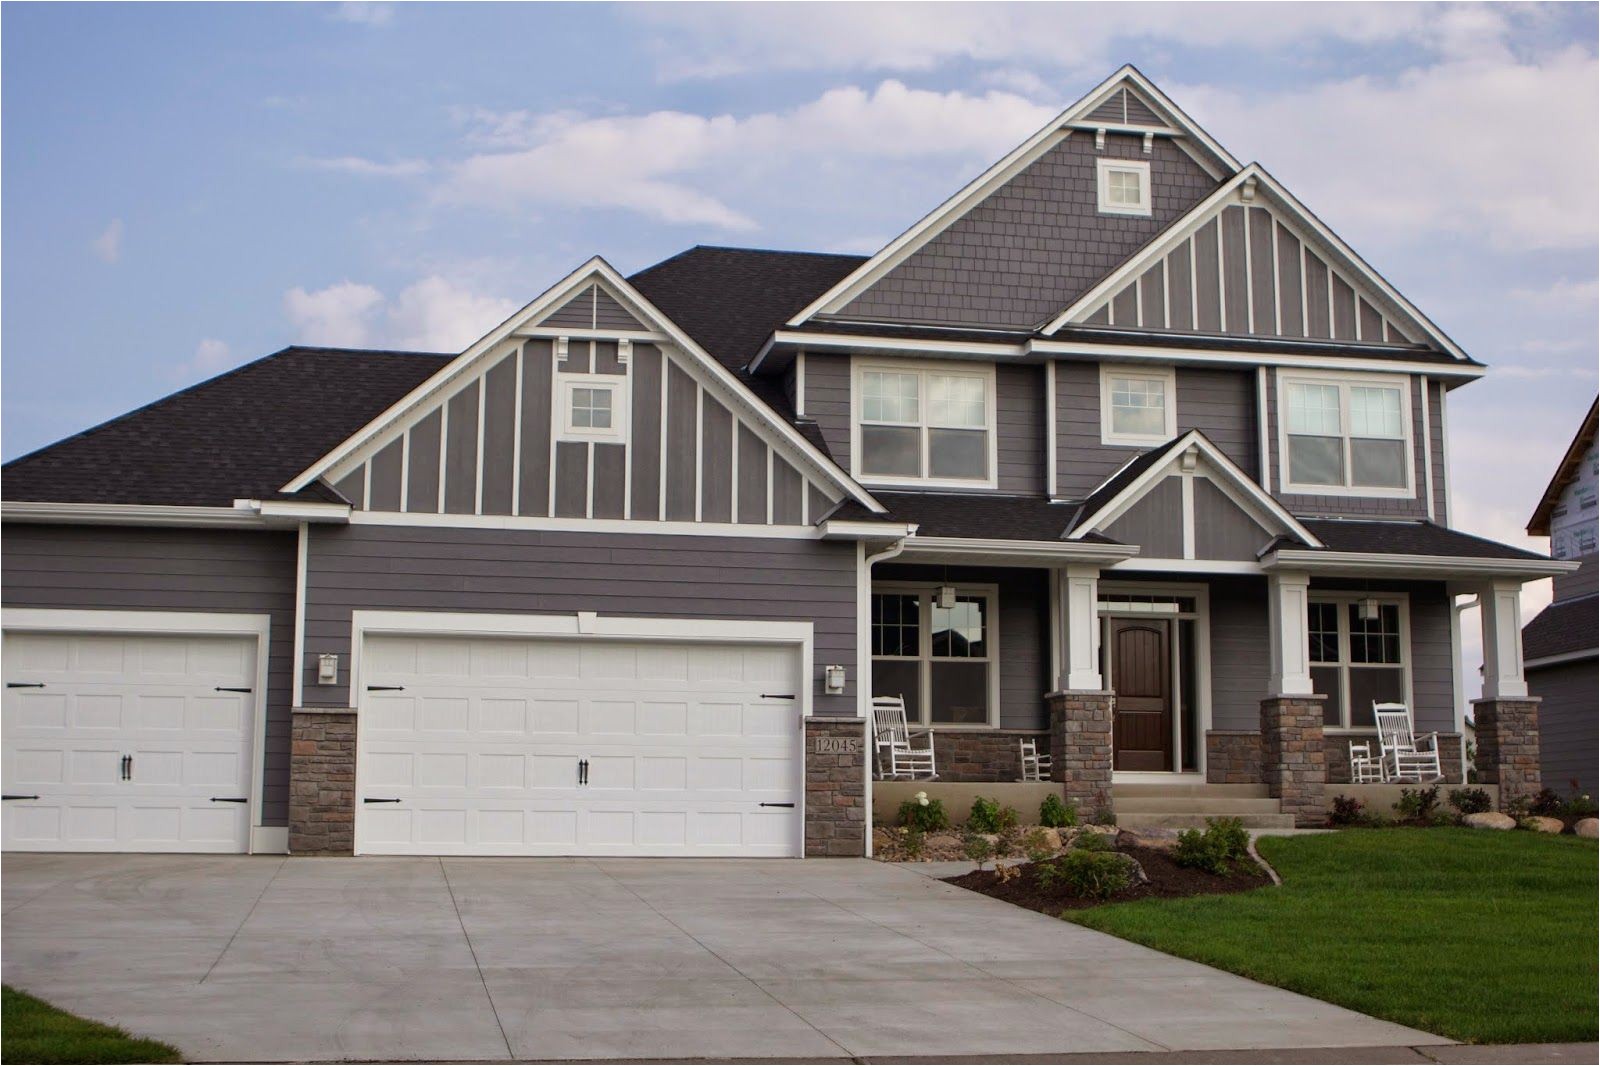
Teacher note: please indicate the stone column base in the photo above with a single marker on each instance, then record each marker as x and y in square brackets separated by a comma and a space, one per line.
[1080, 748]
[1508, 746]
[1293, 758]
[1233, 757]
[836, 787]
[322, 782]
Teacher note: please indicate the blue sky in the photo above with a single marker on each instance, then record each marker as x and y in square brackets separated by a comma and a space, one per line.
[191, 186]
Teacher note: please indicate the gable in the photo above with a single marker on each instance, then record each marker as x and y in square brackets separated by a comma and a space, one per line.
[1035, 243]
[592, 308]
[1126, 107]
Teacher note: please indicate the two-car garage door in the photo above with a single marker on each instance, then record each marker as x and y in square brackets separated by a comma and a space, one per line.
[575, 746]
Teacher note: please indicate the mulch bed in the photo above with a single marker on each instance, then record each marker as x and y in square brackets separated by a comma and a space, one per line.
[1168, 880]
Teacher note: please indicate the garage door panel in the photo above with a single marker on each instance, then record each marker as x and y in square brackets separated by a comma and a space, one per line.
[148, 699]
[683, 742]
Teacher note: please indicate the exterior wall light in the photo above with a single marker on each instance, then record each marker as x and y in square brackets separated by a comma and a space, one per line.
[327, 669]
[833, 680]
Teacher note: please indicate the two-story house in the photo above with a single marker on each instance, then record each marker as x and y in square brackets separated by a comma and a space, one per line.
[1120, 448]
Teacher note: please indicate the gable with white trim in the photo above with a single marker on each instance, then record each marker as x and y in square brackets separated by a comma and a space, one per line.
[587, 405]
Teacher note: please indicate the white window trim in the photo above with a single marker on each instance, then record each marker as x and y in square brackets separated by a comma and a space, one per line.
[1103, 168]
[922, 715]
[1343, 600]
[1345, 382]
[986, 372]
[1169, 379]
[616, 384]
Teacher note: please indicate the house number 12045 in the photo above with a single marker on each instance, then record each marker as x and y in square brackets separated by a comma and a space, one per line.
[838, 745]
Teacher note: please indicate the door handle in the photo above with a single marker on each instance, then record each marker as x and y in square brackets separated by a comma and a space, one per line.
[380, 801]
[224, 688]
[777, 805]
[386, 688]
[18, 797]
[229, 799]
[777, 696]
[127, 767]
[583, 771]
[24, 684]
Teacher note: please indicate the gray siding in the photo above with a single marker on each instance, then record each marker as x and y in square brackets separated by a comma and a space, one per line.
[1031, 247]
[1239, 666]
[1567, 724]
[1155, 523]
[1221, 529]
[144, 569]
[1581, 582]
[519, 572]
[1024, 627]
[1019, 428]
[828, 402]
[1441, 486]
[1219, 403]
[592, 308]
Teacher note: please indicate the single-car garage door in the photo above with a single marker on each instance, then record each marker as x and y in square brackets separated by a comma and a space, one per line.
[127, 743]
[500, 746]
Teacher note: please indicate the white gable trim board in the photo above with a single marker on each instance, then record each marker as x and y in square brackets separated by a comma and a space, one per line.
[196, 742]
[594, 277]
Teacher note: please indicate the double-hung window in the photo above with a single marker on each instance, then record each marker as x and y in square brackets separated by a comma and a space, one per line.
[939, 659]
[1358, 657]
[1137, 406]
[925, 425]
[1346, 436]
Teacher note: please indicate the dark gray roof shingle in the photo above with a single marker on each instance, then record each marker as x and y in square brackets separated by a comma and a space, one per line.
[1562, 628]
[1407, 538]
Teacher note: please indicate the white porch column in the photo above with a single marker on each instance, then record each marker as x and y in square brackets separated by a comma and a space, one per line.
[1078, 598]
[1288, 639]
[1500, 603]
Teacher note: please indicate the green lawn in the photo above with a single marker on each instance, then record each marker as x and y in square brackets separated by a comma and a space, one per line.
[1480, 936]
[31, 1030]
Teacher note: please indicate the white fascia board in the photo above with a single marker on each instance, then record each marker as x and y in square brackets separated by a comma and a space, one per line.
[1255, 500]
[1030, 551]
[733, 394]
[293, 512]
[845, 529]
[1285, 201]
[129, 514]
[1557, 660]
[1017, 160]
[1364, 564]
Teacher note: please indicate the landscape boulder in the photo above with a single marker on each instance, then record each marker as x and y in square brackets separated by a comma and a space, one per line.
[1163, 839]
[1489, 820]
[1543, 825]
[1588, 827]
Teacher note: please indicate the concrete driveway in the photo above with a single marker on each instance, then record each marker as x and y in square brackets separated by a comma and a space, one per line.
[271, 959]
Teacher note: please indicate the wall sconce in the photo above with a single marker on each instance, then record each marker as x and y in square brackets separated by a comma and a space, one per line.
[946, 596]
[1367, 609]
[327, 669]
[833, 680]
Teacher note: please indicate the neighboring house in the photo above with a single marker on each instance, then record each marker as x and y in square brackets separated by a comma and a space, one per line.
[1120, 449]
[1560, 649]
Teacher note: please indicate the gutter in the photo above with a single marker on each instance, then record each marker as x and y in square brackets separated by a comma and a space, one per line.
[1367, 564]
[244, 514]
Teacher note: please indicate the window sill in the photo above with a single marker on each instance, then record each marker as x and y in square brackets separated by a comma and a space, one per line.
[1358, 494]
[873, 481]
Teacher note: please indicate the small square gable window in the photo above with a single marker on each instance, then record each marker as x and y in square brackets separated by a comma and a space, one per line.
[1124, 187]
[592, 407]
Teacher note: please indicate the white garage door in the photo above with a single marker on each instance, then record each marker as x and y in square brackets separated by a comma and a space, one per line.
[578, 747]
[127, 743]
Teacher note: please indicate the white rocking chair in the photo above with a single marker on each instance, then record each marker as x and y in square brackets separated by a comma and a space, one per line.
[1035, 767]
[1405, 756]
[892, 742]
[1365, 768]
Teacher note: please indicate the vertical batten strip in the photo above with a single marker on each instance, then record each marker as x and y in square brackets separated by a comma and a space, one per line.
[661, 495]
[516, 437]
[483, 402]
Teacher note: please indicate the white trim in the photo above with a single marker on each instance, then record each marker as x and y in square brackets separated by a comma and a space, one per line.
[1360, 564]
[297, 677]
[1168, 378]
[1187, 566]
[1444, 440]
[1344, 382]
[1230, 192]
[1019, 159]
[921, 369]
[1102, 170]
[800, 384]
[483, 417]
[562, 395]
[1264, 449]
[990, 593]
[1557, 660]
[1344, 599]
[201, 623]
[1187, 486]
[128, 514]
[596, 525]
[1245, 492]
[1427, 449]
[1458, 694]
[1051, 474]
[1027, 551]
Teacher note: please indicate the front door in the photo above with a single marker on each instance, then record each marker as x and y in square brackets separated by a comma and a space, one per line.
[1141, 674]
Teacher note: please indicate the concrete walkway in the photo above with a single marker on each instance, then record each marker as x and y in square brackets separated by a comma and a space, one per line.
[492, 959]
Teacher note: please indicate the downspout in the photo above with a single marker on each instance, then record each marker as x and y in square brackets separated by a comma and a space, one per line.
[1458, 684]
[864, 667]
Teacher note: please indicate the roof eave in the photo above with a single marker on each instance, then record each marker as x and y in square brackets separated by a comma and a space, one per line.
[1377, 564]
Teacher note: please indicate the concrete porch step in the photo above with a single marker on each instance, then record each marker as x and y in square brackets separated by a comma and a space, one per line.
[1216, 805]
[1198, 788]
[1168, 820]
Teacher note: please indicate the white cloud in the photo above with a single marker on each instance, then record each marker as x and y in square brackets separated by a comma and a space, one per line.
[211, 356]
[108, 246]
[433, 314]
[660, 164]
[1561, 295]
[350, 164]
[363, 14]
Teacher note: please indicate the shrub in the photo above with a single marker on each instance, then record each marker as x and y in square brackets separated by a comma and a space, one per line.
[1417, 804]
[1036, 845]
[1470, 800]
[988, 816]
[1581, 805]
[1104, 816]
[926, 814]
[1056, 814]
[1086, 873]
[913, 842]
[1089, 841]
[1547, 803]
[1346, 810]
[1213, 849]
[976, 846]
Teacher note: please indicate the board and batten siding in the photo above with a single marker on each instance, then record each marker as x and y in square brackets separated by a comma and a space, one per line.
[496, 447]
[110, 568]
[411, 568]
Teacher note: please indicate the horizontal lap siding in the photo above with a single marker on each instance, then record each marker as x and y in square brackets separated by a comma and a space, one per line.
[1239, 665]
[828, 402]
[107, 568]
[1567, 724]
[1019, 428]
[527, 572]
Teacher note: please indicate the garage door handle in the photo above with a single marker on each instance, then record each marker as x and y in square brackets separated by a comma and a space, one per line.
[583, 771]
[380, 801]
[127, 767]
[776, 696]
[221, 688]
[777, 805]
[18, 797]
[24, 684]
[386, 688]
[229, 799]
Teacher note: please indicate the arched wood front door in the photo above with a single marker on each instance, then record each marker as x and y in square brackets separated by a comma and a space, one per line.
[1141, 673]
